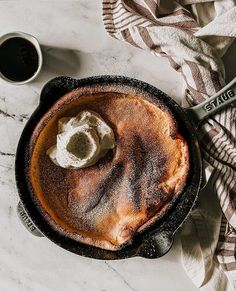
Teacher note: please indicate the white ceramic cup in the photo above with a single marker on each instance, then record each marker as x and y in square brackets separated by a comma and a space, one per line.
[36, 45]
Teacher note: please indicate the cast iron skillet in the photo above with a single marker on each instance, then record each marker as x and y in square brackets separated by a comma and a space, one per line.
[156, 240]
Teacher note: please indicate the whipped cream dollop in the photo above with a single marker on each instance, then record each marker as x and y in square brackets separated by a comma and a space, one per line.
[81, 140]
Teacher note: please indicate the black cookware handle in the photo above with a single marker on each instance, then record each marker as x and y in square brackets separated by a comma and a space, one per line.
[56, 88]
[223, 98]
[156, 246]
[26, 221]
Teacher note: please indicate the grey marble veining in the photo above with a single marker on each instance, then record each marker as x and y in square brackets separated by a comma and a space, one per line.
[74, 43]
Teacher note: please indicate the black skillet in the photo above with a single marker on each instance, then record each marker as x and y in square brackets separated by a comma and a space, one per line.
[157, 240]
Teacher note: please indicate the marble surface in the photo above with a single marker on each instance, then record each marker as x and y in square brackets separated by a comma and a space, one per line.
[74, 43]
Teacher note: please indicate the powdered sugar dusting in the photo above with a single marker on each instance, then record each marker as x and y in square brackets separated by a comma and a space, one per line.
[106, 203]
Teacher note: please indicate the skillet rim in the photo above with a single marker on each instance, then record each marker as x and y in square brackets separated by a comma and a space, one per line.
[56, 88]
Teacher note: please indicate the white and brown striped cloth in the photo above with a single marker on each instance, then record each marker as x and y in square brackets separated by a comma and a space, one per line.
[193, 35]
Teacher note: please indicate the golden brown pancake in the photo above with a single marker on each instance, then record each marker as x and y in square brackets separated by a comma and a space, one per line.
[106, 204]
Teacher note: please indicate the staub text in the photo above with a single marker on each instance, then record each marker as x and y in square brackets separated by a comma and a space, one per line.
[219, 100]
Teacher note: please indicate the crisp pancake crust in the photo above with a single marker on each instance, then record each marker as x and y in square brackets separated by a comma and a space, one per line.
[104, 205]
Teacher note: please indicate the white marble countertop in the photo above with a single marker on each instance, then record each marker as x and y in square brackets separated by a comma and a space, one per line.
[76, 44]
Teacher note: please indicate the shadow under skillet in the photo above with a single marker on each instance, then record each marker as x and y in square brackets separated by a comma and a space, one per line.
[228, 59]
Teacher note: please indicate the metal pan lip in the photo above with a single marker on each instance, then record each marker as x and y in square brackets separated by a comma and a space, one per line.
[177, 216]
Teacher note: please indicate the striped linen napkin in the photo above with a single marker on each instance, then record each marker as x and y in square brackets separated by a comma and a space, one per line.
[193, 35]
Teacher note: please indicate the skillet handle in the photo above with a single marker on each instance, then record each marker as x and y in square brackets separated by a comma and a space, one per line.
[26, 221]
[56, 88]
[223, 98]
[157, 246]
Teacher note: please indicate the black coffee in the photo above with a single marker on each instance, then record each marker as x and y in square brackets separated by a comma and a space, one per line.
[18, 59]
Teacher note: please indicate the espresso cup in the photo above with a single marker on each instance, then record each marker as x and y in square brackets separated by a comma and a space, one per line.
[20, 57]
